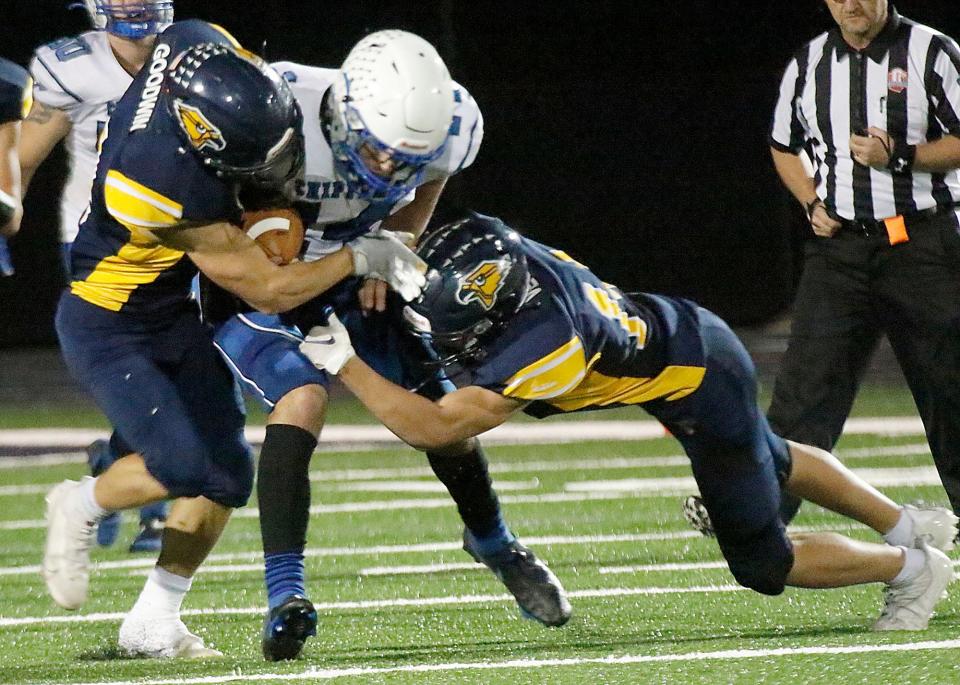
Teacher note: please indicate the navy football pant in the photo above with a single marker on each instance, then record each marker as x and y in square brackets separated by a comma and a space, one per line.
[738, 462]
[167, 394]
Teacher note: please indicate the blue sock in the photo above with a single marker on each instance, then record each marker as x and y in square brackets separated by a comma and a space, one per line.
[491, 543]
[284, 576]
[157, 510]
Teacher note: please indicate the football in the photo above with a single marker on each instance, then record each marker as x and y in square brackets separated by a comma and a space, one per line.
[279, 232]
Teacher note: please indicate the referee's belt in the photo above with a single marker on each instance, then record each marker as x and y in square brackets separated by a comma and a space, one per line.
[897, 228]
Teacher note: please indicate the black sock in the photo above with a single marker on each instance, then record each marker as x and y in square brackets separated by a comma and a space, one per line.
[468, 482]
[283, 488]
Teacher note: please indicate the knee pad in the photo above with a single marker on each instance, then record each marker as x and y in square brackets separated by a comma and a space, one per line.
[231, 478]
[762, 561]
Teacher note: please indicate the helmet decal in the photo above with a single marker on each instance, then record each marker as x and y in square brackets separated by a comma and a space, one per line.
[198, 128]
[482, 284]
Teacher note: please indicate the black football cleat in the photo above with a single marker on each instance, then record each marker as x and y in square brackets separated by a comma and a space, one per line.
[286, 627]
[538, 592]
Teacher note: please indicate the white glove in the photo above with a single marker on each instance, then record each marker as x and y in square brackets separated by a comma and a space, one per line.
[328, 347]
[383, 254]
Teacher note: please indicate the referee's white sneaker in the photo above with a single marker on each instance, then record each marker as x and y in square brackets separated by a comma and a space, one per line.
[66, 557]
[935, 526]
[909, 605]
[154, 637]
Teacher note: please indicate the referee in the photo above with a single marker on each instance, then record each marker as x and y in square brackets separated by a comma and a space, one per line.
[876, 104]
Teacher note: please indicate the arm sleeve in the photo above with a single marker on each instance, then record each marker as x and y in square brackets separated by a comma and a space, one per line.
[943, 84]
[155, 187]
[466, 135]
[786, 129]
[50, 88]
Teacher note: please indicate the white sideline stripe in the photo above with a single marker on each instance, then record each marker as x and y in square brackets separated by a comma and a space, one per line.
[387, 603]
[149, 562]
[510, 433]
[680, 566]
[614, 463]
[620, 659]
[878, 477]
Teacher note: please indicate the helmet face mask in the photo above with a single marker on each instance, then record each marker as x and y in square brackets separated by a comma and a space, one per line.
[395, 99]
[130, 19]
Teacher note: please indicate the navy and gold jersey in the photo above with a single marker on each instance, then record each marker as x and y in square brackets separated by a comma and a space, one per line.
[581, 344]
[145, 182]
[16, 92]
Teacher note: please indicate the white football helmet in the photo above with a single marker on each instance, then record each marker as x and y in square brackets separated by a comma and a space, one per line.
[395, 96]
[132, 19]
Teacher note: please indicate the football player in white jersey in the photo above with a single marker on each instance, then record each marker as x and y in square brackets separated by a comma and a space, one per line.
[382, 135]
[77, 82]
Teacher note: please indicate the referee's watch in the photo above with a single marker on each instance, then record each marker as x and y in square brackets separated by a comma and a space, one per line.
[901, 157]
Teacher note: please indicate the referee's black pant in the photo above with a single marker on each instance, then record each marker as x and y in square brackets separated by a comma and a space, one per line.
[854, 288]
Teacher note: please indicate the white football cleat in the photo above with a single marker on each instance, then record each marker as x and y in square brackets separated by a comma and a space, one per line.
[161, 638]
[909, 605]
[936, 526]
[66, 557]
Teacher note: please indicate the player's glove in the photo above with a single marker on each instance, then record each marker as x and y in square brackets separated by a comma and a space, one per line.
[328, 347]
[383, 254]
[6, 264]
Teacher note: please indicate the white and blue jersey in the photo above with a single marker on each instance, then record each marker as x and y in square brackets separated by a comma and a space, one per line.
[263, 350]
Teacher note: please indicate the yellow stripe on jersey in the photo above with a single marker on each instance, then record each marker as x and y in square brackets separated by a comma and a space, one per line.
[598, 390]
[138, 207]
[117, 276]
[608, 306]
[564, 257]
[552, 375]
[27, 104]
[226, 34]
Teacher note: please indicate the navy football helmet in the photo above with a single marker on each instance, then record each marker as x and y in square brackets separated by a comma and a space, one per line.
[236, 113]
[477, 279]
[133, 19]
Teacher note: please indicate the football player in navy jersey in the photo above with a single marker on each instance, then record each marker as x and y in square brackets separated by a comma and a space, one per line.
[78, 81]
[202, 121]
[16, 89]
[532, 330]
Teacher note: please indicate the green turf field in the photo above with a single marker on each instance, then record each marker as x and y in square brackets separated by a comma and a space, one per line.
[399, 602]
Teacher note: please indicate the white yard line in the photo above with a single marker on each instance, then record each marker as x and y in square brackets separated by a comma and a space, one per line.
[248, 558]
[386, 603]
[613, 463]
[613, 660]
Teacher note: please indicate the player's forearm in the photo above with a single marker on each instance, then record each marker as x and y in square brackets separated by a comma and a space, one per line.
[42, 130]
[419, 422]
[415, 216]
[286, 287]
[938, 156]
[794, 176]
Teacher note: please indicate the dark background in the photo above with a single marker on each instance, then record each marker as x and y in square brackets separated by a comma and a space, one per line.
[633, 137]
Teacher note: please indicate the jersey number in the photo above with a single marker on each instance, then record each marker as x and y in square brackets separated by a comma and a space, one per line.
[68, 48]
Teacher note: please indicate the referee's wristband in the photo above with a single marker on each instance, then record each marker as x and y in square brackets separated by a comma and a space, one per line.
[902, 157]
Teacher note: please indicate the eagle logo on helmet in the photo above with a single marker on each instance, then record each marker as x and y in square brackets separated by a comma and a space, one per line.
[482, 284]
[198, 128]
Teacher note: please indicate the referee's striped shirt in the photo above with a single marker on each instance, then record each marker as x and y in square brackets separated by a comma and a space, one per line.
[906, 82]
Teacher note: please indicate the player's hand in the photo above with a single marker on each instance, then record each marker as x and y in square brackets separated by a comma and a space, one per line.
[328, 347]
[872, 150]
[822, 223]
[373, 295]
[383, 254]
